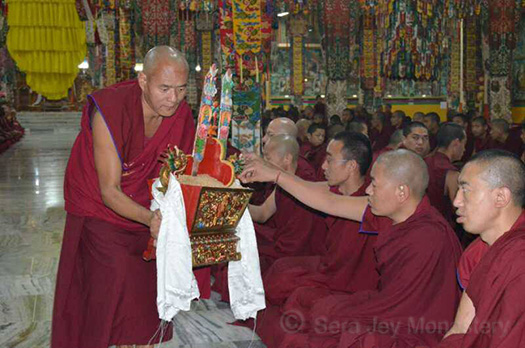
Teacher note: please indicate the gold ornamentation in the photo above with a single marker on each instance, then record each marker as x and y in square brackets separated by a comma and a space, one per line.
[220, 208]
[210, 249]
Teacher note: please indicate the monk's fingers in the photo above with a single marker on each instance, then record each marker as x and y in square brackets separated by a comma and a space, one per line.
[247, 176]
[250, 157]
[158, 214]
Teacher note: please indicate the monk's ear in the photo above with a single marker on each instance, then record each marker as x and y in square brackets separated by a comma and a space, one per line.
[402, 192]
[142, 80]
[352, 165]
[502, 197]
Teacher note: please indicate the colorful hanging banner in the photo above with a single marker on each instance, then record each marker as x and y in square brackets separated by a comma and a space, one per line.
[336, 19]
[368, 57]
[246, 15]
[298, 64]
[111, 71]
[126, 51]
[156, 19]
[226, 34]
[206, 50]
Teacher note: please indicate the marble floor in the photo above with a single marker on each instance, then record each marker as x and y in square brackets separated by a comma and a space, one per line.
[31, 225]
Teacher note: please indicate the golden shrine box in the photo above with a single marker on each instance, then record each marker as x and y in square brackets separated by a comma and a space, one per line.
[213, 211]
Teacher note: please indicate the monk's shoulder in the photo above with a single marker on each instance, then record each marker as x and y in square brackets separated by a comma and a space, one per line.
[110, 100]
[430, 230]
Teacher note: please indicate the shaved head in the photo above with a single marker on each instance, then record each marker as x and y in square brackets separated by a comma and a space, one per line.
[280, 126]
[303, 124]
[500, 168]
[163, 54]
[283, 145]
[404, 167]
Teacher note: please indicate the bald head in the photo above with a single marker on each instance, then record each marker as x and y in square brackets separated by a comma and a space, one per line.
[160, 55]
[283, 151]
[404, 167]
[499, 168]
[302, 128]
[280, 126]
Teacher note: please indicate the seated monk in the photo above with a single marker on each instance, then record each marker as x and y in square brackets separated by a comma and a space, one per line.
[283, 226]
[315, 149]
[443, 175]
[380, 131]
[480, 132]
[416, 138]
[358, 126]
[348, 262]
[395, 142]
[416, 256]
[490, 204]
[302, 130]
[462, 120]
[503, 138]
[281, 126]
[432, 122]
[295, 229]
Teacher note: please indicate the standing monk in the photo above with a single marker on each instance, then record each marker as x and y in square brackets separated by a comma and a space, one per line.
[105, 293]
[490, 204]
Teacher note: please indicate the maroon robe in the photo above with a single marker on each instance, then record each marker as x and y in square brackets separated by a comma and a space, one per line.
[438, 166]
[469, 260]
[293, 230]
[496, 289]
[263, 190]
[469, 146]
[381, 139]
[314, 155]
[481, 144]
[432, 141]
[347, 252]
[416, 260]
[290, 232]
[105, 293]
[512, 144]
[293, 283]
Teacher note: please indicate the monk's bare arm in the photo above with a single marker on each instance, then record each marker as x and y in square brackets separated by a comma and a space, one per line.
[346, 207]
[451, 184]
[109, 171]
[261, 213]
[307, 192]
[464, 316]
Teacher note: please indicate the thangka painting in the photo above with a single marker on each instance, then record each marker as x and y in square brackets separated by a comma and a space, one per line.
[518, 69]
[314, 74]
[280, 80]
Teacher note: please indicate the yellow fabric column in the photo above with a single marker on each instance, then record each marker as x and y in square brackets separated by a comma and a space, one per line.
[47, 40]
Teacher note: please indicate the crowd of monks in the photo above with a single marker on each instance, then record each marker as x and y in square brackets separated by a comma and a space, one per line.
[10, 130]
[349, 261]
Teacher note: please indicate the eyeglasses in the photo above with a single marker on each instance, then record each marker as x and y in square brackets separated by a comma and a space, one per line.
[330, 160]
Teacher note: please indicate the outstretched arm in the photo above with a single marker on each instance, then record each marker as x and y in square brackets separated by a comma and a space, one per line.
[309, 193]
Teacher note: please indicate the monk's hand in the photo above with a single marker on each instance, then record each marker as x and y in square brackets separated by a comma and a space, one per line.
[154, 224]
[258, 170]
